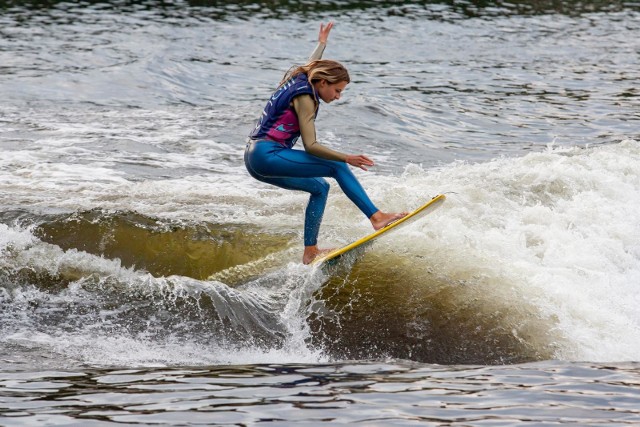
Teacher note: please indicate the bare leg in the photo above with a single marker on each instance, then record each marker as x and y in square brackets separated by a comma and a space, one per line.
[381, 219]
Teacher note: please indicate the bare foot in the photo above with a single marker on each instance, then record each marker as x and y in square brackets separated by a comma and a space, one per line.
[312, 252]
[381, 219]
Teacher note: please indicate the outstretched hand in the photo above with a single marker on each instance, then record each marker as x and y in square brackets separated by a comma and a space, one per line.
[360, 161]
[323, 36]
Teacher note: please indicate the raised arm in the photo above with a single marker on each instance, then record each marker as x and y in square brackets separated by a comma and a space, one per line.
[323, 36]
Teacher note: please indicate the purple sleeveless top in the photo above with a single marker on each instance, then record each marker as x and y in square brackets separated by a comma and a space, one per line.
[279, 121]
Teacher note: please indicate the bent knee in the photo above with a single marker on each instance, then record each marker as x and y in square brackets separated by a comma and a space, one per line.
[321, 187]
[341, 168]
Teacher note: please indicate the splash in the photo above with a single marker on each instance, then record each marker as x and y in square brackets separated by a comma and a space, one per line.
[557, 231]
[530, 258]
[92, 310]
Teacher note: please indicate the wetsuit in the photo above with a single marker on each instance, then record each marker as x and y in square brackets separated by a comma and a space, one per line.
[270, 157]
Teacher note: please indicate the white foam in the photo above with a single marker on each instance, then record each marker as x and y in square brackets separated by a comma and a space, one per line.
[560, 228]
[99, 349]
[92, 331]
[557, 229]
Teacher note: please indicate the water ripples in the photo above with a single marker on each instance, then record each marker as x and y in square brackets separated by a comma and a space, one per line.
[373, 394]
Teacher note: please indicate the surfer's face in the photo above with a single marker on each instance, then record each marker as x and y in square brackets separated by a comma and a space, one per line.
[329, 92]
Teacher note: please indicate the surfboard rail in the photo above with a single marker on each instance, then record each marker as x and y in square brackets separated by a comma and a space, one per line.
[412, 216]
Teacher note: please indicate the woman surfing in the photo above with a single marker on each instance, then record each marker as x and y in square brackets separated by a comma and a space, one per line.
[289, 114]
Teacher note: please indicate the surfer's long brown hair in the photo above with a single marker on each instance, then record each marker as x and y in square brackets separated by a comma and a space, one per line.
[321, 69]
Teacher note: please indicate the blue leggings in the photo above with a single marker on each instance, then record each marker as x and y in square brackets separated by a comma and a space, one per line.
[270, 162]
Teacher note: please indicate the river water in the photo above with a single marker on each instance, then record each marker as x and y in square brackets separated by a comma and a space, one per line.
[146, 279]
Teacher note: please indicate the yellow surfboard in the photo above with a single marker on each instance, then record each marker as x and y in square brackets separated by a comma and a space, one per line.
[421, 211]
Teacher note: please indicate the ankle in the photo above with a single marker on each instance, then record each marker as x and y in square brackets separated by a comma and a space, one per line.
[310, 252]
[376, 216]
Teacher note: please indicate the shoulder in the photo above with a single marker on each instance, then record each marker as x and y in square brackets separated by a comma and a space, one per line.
[301, 82]
[302, 77]
[304, 103]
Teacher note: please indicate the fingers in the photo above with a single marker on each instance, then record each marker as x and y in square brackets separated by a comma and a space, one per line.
[324, 31]
[326, 28]
[360, 161]
[361, 166]
[366, 159]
